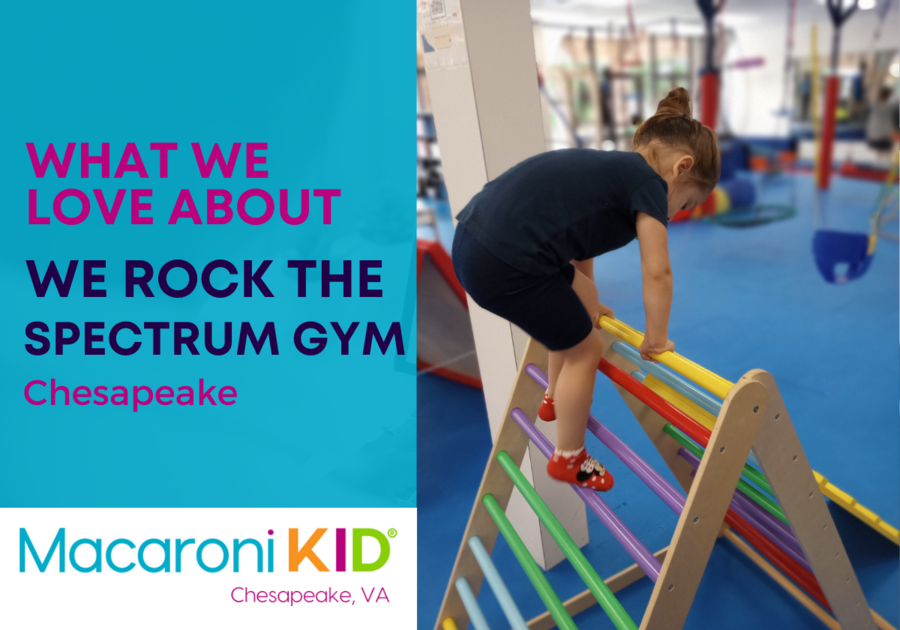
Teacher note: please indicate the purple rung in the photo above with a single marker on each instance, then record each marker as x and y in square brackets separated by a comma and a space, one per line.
[784, 532]
[789, 535]
[635, 548]
[751, 514]
[646, 473]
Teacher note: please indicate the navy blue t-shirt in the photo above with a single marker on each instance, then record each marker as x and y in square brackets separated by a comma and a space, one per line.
[571, 204]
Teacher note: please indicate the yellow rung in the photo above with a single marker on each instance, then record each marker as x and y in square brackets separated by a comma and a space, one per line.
[839, 496]
[687, 368]
[865, 514]
[859, 511]
[888, 531]
[698, 414]
[449, 624]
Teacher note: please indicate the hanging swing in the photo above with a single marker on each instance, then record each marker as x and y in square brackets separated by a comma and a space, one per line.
[845, 256]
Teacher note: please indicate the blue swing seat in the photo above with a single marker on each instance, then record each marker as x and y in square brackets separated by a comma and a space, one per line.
[832, 248]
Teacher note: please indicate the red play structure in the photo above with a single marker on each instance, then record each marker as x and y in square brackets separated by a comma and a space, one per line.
[445, 344]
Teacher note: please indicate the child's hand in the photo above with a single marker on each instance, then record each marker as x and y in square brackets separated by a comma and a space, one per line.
[647, 347]
[603, 310]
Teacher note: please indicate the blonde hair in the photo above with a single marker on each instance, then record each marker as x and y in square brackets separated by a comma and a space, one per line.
[672, 126]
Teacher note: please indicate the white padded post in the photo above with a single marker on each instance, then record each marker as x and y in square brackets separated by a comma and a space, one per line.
[480, 61]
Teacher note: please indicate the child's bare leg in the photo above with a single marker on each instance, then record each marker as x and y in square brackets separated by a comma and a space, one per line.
[555, 364]
[586, 291]
[572, 375]
[556, 360]
[575, 391]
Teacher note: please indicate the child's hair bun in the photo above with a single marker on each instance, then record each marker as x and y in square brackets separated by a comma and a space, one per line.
[673, 126]
[676, 103]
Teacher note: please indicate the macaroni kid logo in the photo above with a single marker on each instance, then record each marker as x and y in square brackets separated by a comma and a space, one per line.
[167, 556]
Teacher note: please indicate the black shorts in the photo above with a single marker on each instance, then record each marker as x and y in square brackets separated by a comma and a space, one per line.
[545, 307]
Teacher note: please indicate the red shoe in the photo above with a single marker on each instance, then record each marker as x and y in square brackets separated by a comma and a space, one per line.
[580, 469]
[547, 412]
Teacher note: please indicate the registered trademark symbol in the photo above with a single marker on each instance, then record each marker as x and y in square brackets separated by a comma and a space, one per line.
[392, 532]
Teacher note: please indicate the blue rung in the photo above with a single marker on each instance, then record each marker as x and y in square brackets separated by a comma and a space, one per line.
[471, 604]
[692, 393]
[696, 396]
[513, 616]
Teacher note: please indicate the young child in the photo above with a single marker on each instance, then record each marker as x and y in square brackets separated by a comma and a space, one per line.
[525, 245]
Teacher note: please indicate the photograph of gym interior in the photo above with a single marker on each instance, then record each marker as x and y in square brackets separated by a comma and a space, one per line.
[747, 476]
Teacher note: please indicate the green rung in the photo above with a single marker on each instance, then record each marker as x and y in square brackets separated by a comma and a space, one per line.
[532, 570]
[594, 582]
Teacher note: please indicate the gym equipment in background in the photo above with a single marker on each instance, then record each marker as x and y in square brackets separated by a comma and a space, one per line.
[736, 206]
[829, 111]
[709, 86]
[845, 256]
[557, 109]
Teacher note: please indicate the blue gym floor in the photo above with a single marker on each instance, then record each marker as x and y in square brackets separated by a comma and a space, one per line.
[744, 298]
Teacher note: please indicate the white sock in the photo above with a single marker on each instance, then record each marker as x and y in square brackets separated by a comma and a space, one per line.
[568, 454]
